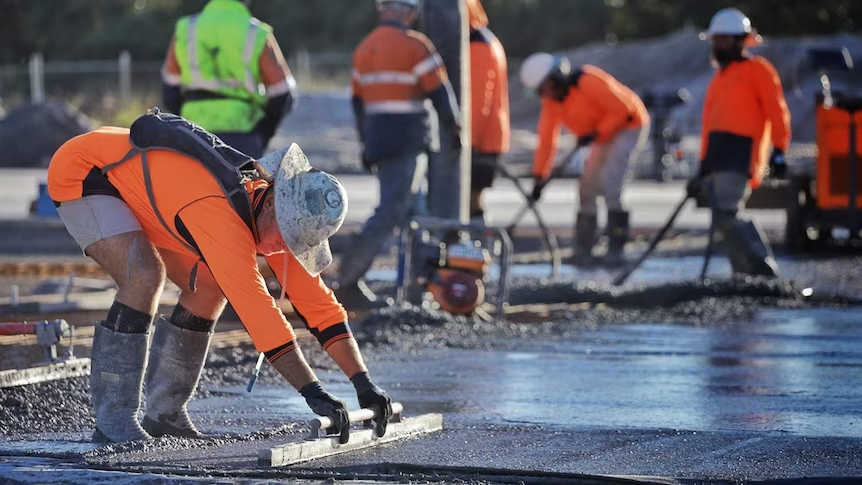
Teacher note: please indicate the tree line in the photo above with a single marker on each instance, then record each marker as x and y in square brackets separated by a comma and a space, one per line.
[100, 29]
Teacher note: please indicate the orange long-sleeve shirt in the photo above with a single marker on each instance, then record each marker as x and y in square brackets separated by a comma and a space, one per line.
[491, 130]
[597, 103]
[744, 111]
[184, 189]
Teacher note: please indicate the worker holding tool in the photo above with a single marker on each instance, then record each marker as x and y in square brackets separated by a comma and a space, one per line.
[225, 71]
[139, 217]
[491, 131]
[744, 112]
[603, 114]
[394, 70]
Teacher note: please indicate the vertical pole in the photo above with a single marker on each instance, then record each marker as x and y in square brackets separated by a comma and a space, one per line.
[124, 65]
[37, 78]
[445, 23]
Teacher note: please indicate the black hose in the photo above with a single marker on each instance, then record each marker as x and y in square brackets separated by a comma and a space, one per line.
[550, 239]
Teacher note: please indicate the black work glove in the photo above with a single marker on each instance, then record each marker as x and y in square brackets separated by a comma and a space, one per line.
[371, 396]
[325, 404]
[694, 187]
[538, 186]
[587, 139]
[777, 164]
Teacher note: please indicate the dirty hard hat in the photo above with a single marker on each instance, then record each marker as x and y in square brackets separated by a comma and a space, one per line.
[412, 3]
[310, 206]
[730, 21]
[539, 66]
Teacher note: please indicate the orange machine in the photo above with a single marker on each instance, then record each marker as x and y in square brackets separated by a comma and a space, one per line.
[833, 155]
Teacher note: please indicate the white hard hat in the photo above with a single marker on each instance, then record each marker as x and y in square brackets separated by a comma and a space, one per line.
[729, 21]
[536, 68]
[310, 206]
[412, 3]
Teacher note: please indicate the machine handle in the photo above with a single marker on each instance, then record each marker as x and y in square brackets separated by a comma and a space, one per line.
[321, 424]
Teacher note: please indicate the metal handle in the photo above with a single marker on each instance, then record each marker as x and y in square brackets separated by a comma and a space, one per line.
[321, 424]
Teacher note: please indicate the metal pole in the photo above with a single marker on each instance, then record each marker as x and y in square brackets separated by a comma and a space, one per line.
[37, 78]
[445, 24]
[124, 65]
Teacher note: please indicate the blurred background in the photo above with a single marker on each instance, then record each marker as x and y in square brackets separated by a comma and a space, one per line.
[100, 59]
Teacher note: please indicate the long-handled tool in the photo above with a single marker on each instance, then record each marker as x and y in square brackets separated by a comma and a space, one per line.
[656, 239]
[710, 242]
[558, 170]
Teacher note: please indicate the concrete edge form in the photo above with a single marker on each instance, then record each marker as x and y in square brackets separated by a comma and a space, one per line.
[33, 375]
[294, 453]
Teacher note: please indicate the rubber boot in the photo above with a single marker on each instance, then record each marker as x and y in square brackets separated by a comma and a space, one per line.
[585, 237]
[117, 368]
[618, 235]
[177, 357]
[748, 251]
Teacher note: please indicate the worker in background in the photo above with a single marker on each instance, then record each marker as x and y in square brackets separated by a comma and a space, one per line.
[491, 131]
[602, 113]
[394, 70]
[744, 113]
[225, 71]
[142, 222]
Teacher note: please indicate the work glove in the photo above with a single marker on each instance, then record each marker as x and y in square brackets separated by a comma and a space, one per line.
[538, 186]
[777, 164]
[694, 187]
[325, 404]
[371, 396]
[587, 139]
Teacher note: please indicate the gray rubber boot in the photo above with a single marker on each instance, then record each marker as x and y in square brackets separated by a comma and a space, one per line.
[586, 226]
[177, 357]
[618, 235]
[748, 251]
[117, 368]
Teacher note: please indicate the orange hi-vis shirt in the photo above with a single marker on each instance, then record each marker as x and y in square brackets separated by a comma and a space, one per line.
[744, 111]
[491, 129]
[596, 103]
[184, 190]
[394, 68]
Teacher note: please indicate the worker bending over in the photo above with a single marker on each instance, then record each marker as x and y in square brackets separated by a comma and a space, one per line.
[743, 114]
[140, 217]
[602, 113]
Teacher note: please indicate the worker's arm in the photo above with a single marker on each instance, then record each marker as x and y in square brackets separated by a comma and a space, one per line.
[280, 88]
[484, 86]
[548, 133]
[356, 101]
[705, 122]
[229, 251]
[434, 82]
[616, 111]
[172, 96]
[771, 95]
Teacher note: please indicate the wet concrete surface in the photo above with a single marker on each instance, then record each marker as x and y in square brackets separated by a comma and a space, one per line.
[724, 381]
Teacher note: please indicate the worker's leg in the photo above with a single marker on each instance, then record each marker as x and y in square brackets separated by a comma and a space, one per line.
[483, 171]
[400, 181]
[110, 234]
[747, 248]
[586, 223]
[621, 153]
[179, 348]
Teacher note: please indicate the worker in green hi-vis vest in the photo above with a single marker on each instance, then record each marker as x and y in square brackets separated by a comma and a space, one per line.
[225, 71]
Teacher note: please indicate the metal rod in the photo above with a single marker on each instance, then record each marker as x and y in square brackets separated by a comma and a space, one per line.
[255, 372]
[364, 414]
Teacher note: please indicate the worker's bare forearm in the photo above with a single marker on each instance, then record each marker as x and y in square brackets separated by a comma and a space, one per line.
[345, 353]
[295, 369]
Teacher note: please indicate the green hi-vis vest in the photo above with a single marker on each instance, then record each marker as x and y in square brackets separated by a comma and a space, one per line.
[218, 52]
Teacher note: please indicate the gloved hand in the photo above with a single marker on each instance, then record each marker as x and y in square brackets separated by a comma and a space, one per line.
[325, 404]
[587, 139]
[371, 396]
[777, 164]
[538, 186]
[694, 187]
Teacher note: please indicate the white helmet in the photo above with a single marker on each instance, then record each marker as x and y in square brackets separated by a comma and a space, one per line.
[729, 21]
[539, 66]
[411, 3]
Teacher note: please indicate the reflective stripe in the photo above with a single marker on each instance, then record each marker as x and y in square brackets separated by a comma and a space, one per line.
[197, 81]
[170, 78]
[428, 65]
[395, 107]
[286, 86]
[387, 77]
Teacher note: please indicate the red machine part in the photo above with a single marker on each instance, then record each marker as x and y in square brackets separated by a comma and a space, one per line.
[17, 328]
[457, 286]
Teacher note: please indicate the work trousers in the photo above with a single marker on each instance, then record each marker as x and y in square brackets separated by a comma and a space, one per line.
[400, 182]
[749, 253]
[606, 167]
